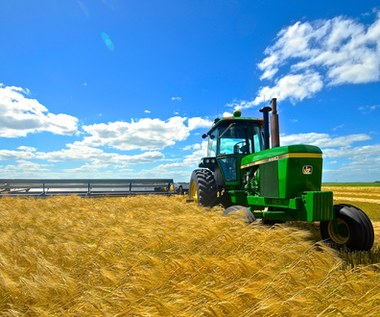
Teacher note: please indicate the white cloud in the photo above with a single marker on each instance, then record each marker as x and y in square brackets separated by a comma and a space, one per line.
[181, 170]
[354, 153]
[323, 140]
[24, 169]
[294, 87]
[199, 152]
[146, 157]
[80, 152]
[197, 123]
[6, 155]
[361, 164]
[26, 148]
[72, 152]
[311, 55]
[190, 147]
[347, 49]
[144, 134]
[178, 99]
[21, 115]
[227, 114]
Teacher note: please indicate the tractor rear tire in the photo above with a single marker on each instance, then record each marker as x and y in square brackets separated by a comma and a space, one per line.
[353, 230]
[236, 208]
[203, 189]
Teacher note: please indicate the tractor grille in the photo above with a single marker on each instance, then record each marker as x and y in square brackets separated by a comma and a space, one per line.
[269, 179]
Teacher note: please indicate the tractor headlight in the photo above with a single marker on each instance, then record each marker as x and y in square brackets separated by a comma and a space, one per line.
[209, 161]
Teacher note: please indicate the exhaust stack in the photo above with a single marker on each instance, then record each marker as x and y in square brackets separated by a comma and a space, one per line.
[275, 129]
[265, 111]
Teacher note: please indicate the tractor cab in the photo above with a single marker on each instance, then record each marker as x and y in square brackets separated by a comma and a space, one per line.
[229, 140]
[234, 135]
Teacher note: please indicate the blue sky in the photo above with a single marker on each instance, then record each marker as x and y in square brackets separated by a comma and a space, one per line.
[125, 89]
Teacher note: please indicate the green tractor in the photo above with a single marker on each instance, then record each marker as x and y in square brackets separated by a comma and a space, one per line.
[282, 183]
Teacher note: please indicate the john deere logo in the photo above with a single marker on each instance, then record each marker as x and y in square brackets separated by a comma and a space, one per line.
[307, 170]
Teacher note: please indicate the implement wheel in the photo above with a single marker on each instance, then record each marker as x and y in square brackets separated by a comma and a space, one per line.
[202, 189]
[245, 212]
[353, 229]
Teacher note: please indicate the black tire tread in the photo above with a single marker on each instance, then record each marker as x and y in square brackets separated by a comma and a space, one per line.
[367, 236]
[362, 233]
[206, 187]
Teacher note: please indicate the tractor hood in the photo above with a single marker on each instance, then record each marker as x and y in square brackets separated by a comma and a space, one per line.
[286, 171]
[274, 154]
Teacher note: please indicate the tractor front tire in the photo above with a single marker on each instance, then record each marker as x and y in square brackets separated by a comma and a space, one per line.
[203, 189]
[246, 213]
[353, 229]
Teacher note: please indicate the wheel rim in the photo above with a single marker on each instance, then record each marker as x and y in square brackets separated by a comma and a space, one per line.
[193, 192]
[342, 233]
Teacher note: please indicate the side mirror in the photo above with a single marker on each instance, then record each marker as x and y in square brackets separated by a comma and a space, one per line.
[204, 136]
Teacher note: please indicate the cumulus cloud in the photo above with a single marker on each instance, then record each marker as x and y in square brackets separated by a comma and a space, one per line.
[21, 115]
[90, 161]
[190, 147]
[361, 163]
[182, 169]
[24, 169]
[143, 134]
[197, 123]
[307, 56]
[143, 137]
[295, 87]
[22, 153]
[80, 152]
[24, 161]
[345, 49]
[323, 140]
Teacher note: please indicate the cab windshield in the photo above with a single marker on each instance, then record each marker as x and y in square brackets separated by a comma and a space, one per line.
[237, 137]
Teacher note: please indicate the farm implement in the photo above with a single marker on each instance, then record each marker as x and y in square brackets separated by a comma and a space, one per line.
[276, 184]
[87, 187]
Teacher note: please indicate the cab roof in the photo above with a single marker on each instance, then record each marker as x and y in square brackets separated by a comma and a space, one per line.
[235, 118]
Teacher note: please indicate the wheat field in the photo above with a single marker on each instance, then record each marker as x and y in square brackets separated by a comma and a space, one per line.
[161, 256]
